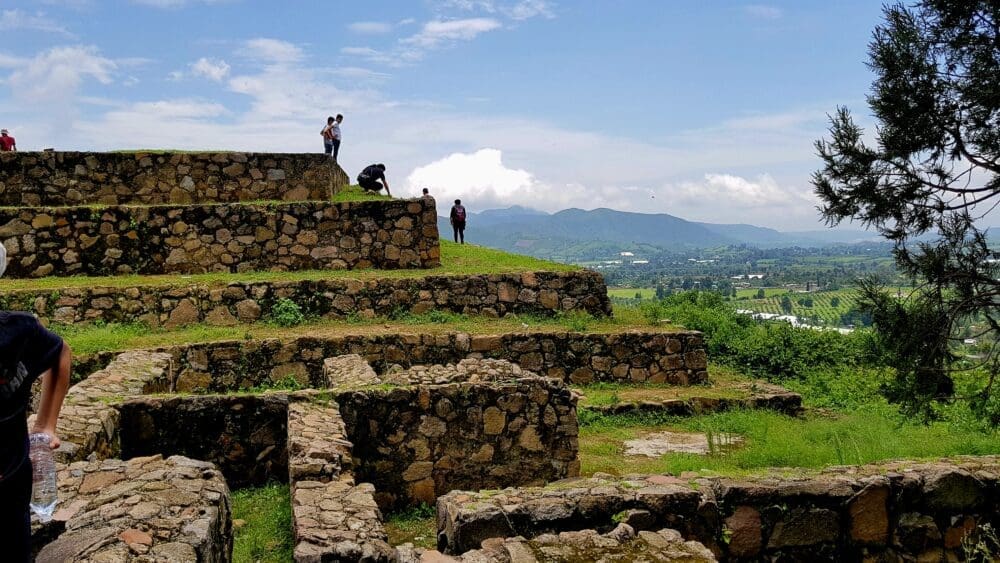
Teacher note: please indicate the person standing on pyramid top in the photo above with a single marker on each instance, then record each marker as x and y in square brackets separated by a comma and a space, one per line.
[7, 143]
[331, 136]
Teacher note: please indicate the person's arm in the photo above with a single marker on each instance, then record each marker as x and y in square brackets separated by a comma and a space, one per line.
[386, 182]
[55, 384]
[451, 216]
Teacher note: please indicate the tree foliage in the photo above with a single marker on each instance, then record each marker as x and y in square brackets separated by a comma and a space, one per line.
[932, 170]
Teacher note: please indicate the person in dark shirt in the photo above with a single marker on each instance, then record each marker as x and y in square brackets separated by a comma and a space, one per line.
[370, 176]
[458, 220]
[27, 351]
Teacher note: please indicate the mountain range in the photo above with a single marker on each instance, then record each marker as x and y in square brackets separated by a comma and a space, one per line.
[572, 231]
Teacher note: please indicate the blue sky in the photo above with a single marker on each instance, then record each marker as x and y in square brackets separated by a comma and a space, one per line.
[705, 110]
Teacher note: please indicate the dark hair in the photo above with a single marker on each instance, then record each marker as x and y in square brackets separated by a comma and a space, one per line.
[426, 191]
[329, 120]
[340, 116]
[458, 202]
[380, 165]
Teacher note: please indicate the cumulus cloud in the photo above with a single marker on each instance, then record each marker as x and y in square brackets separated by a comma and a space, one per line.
[763, 11]
[19, 19]
[212, 69]
[56, 74]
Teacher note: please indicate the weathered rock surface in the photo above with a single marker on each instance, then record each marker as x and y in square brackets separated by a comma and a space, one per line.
[146, 509]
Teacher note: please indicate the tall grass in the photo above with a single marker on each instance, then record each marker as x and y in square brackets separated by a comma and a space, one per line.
[266, 535]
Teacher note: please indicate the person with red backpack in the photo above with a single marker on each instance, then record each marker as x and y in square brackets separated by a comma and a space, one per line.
[458, 220]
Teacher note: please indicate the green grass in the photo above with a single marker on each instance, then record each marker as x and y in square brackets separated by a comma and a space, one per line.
[630, 293]
[266, 536]
[355, 193]
[774, 440]
[417, 525]
[456, 259]
[88, 339]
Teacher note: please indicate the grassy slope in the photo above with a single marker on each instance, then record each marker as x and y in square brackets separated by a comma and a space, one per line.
[456, 259]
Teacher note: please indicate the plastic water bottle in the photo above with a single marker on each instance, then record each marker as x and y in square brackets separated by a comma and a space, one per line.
[43, 467]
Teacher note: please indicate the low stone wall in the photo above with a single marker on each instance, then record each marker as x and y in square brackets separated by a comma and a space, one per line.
[143, 509]
[334, 519]
[89, 420]
[64, 241]
[416, 443]
[894, 511]
[540, 293]
[677, 358]
[784, 402]
[55, 179]
[246, 436]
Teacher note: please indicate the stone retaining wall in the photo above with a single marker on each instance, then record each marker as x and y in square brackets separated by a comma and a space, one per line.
[245, 435]
[677, 358]
[894, 511]
[55, 179]
[541, 293]
[143, 509]
[416, 443]
[189, 239]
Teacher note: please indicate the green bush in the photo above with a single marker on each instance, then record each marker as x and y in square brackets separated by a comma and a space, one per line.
[286, 312]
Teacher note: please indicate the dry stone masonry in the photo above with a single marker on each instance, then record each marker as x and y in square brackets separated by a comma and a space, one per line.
[894, 511]
[416, 443]
[238, 237]
[59, 179]
[655, 357]
[149, 509]
[496, 295]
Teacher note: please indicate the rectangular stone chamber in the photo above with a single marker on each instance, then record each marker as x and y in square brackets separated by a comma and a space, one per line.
[228, 237]
[57, 179]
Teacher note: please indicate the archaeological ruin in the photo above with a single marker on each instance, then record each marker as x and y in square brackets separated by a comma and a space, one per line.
[483, 427]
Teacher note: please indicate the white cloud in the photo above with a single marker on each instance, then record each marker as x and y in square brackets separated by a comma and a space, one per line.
[19, 19]
[212, 69]
[434, 33]
[480, 175]
[371, 27]
[272, 50]
[763, 191]
[56, 74]
[763, 11]
[526, 9]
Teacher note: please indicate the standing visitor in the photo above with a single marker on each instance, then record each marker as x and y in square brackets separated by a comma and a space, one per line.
[427, 194]
[331, 136]
[335, 131]
[370, 176]
[458, 220]
[27, 351]
[7, 143]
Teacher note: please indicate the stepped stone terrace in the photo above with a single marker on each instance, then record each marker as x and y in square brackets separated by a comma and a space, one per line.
[483, 426]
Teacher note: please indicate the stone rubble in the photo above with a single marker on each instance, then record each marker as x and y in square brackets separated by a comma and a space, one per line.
[622, 544]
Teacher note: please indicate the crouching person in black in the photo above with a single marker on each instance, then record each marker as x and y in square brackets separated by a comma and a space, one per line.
[370, 176]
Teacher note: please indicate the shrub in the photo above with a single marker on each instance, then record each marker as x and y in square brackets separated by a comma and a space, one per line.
[286, 312]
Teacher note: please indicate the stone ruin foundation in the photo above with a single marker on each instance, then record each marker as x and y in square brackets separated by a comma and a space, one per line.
[146, 476]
